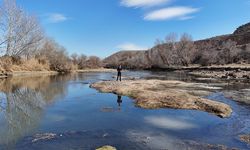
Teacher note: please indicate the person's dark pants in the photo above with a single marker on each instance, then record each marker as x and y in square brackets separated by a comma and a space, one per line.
[119, 76]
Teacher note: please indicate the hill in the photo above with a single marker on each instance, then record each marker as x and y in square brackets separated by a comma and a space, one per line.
[224, 49]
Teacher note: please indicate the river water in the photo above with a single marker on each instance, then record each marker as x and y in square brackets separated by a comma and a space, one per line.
[62, 112]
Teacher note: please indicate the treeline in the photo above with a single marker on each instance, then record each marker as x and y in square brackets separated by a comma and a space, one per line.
[185, 51]
[221, 52]
[24, 45]
[174, 52]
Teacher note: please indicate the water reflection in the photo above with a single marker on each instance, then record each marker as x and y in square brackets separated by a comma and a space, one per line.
[23, 102]
[119, 100]
[74, 112]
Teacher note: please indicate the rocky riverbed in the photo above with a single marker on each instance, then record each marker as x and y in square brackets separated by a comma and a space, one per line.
[153, 94]
[39, 141]
[234, 74]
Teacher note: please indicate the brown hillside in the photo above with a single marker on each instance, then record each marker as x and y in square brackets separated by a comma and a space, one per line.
[157, 56]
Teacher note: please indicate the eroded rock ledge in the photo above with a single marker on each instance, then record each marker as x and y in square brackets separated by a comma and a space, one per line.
[153, 94]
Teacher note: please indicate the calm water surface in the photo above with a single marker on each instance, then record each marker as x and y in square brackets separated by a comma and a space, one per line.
[83, 118]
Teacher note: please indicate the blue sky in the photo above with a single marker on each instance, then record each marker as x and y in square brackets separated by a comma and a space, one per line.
[102, 27]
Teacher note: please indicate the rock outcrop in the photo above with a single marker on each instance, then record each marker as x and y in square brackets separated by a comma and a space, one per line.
[153, 94]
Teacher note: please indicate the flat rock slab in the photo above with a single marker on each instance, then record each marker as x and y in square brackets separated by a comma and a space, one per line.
[153, 94]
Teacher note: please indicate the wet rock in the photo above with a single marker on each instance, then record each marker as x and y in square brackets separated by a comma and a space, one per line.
[245, 138]
[106, 148]
[194, 145]
[246, 76]
[231, 75]
[43, 137]
[224, 77]
[153, 94]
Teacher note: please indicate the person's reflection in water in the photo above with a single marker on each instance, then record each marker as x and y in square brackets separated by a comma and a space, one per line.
[119, 101]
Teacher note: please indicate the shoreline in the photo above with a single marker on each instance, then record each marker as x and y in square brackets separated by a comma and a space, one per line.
[38, 73]
[95, 70]
[230, 67]
[233, 71]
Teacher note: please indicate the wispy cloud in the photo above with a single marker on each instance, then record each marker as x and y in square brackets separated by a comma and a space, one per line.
[181, 13]
[143, 3]
[130, 46]
[56, 18]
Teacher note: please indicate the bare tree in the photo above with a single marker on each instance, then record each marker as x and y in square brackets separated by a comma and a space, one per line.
[74, 58]
[82, 61]
[21, 33]
[185, 50]
[246, 53]
[229, 51]
[171, 43]
[171, 38]
[94, 62]
[164, 50]
[56, 55]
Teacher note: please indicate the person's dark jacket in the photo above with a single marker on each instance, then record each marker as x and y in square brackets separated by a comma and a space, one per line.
[119, 69]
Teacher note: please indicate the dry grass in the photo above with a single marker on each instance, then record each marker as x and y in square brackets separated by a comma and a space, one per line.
[153, 94]
[31, 65]
[9, 64]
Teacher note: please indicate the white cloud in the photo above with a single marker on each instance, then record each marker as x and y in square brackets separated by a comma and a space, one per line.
[143, 3]
[130, 46]
[169, 123]
[171, 13]
[56, 18]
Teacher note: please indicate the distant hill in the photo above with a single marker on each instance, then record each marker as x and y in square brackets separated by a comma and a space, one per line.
[208, 52]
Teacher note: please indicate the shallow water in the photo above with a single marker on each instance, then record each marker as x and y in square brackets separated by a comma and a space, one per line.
[83, 118]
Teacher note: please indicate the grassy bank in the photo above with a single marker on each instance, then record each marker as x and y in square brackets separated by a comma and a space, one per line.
[38, 73]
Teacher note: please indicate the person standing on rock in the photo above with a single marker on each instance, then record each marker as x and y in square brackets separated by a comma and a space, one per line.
[119, 73]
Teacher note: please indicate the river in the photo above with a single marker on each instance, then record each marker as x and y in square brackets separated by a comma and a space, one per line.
[62, 112]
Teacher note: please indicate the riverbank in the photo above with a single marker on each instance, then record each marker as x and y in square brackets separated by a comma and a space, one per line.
[38, 73]
[234, 74]
[153, 94]
[95, 70]
[229, 67]
[231, 71]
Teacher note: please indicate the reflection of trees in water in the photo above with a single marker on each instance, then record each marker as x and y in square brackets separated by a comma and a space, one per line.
[25, 99]
[23, 110]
